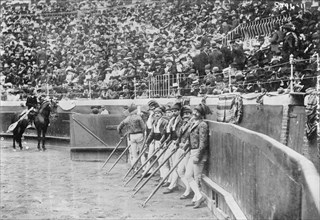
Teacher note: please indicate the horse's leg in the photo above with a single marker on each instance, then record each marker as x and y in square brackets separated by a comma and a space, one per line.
[39, 137]
[14, 140]
[19, 141]
[44, 131]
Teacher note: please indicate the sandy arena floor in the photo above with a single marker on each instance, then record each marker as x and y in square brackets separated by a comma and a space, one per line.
[48, 185]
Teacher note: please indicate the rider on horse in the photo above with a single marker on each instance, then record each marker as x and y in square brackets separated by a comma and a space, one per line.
[32, 104]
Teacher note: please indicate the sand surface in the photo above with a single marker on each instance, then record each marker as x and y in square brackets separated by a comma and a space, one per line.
[48, 185]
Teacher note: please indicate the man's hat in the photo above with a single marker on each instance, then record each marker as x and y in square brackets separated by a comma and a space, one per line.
[160, 109]
[168, 107]
[288, 26]
[185, 109]
[239, 76]
[176, 106]
[153, 103]
[207, 67]
[132, 108]
[215, 69]
[95, 111]
[203, 109]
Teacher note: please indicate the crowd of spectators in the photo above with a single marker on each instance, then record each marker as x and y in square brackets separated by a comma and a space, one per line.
[97, 50]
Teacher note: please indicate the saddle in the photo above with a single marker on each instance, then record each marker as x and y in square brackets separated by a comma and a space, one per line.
[31, 112]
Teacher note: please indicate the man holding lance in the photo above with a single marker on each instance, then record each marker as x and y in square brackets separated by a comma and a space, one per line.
[199, 144]
[157, 131]
[172, 128]
[32, 104]
[182, 144]
[152, 104]
[135, 128]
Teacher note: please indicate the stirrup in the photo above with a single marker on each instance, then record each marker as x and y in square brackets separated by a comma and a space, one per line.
[31, 126]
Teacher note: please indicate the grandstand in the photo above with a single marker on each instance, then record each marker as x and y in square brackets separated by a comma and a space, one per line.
[135, 49]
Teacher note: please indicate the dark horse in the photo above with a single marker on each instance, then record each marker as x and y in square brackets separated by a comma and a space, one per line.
[41, 121]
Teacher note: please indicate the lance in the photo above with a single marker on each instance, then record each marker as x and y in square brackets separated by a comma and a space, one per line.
[153, 163]
[114, 150]
[115, 163]
[136, 162]
[140, 168]
[162, 181]
[156, 170]
[14, 125]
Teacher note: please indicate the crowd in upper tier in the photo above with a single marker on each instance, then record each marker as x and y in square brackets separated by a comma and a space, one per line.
[106, 51]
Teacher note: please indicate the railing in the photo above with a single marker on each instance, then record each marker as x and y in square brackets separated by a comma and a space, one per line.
[267, 179]
[159, 86]
[250, 30]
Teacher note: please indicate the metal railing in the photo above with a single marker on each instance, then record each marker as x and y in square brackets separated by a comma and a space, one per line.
[263, 27]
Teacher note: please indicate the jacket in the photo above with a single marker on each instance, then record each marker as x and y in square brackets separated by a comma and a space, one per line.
[158, 130]
[133, 124]
[32, 101]
[173, 127]
[183, 135]
[199, 139]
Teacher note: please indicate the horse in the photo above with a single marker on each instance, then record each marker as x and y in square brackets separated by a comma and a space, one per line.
[18, 130]
[41, 120]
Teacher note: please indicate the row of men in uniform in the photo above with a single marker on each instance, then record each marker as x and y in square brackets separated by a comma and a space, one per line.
[177, 128]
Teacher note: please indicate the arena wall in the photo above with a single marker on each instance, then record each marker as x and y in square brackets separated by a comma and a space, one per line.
[266, 179]
[254, 115]
[278, 117]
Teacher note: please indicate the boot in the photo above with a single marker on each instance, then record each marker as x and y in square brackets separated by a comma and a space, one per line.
[31, 125]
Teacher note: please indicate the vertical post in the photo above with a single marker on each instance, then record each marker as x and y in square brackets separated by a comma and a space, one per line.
[318, 89]
[149, 86]
[89, 89]
[318, 86]
[229, 73]
[168, 85]
[178, 82]
[135, 87]
[291, 76]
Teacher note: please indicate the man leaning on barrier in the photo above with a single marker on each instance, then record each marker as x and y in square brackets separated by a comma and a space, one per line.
[135, 128]
[199, 144]
[182, 144]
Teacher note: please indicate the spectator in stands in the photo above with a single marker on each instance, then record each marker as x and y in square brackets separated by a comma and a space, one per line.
[40, 49]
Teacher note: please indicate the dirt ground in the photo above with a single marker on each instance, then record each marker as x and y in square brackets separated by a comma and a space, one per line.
[48, 185]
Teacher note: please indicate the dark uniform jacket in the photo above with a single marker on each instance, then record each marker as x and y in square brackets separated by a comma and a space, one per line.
[158, 130]
[183, 135]
[32, 101]
[173, 127]
[199, 138]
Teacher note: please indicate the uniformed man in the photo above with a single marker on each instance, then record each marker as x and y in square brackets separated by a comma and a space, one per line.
[199, 144]
[32, 105]
[182, 144]
[153, 139]
[152, 104]
[135, 128]
[172, 128]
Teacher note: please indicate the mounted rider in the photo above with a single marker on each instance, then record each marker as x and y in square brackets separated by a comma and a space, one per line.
[32, 107]
[33, 102]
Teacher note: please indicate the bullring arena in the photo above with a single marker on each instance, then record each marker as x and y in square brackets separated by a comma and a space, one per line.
[159, 109]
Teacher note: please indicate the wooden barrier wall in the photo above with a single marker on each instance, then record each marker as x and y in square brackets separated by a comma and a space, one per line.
[267, 179]
[102, 126]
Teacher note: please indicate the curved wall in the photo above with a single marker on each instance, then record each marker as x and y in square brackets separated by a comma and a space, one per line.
[267, 179]
[254, 116]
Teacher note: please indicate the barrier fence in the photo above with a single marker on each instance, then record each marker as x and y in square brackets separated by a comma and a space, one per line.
[267, 179]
